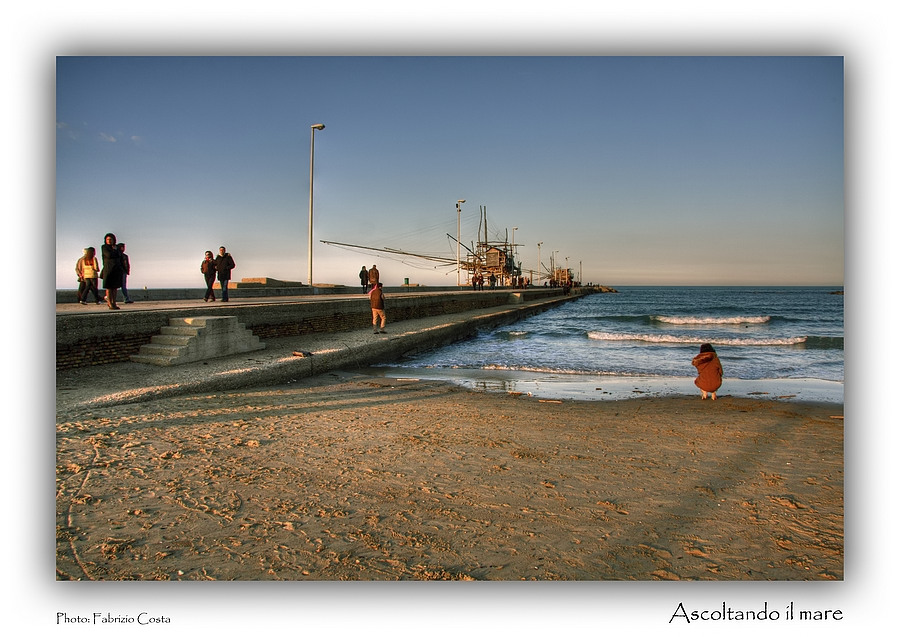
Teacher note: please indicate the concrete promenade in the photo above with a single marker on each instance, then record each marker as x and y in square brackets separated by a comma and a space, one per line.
[324, 350]
[93, 334]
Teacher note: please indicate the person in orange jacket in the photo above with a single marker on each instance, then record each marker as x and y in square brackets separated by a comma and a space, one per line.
[709, 371]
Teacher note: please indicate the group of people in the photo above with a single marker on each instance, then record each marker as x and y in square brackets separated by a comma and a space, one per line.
[517, 282]
[218, 267]
[369, 279]
[116, 266]
[113, 273]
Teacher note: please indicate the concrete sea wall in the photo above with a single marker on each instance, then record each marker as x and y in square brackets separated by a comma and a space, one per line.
[97, 338]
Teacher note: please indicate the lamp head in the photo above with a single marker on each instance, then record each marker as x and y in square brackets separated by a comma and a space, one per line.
[318, 126]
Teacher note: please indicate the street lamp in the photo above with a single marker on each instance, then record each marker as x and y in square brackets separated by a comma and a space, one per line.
[540, 272]
[312, 146]
[459, 201]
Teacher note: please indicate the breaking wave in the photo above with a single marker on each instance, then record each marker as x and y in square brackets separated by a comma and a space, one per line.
[693, 340]
[712, 320]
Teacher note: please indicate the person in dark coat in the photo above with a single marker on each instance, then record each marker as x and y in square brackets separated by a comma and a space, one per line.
[364, 279]
[126, 270]
[208, 268]
[112, 269]
[709, 371]
[224, 266]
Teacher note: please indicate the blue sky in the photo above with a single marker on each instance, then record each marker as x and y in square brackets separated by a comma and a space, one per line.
[640, 170]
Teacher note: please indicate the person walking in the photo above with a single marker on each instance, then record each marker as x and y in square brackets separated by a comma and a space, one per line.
[112, 269]
[709, 371]
[373, 277]
[87, 269]
[224, 266]
[364, 279]
[126, 270]
[376, 300]
[208, 268]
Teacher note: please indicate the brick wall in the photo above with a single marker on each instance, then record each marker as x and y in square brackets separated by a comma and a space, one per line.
[346, 321]
[99, 351]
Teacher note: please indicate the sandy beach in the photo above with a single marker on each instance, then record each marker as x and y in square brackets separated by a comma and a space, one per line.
[345, 476]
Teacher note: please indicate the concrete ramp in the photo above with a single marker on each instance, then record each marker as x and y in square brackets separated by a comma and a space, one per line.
[190, 339]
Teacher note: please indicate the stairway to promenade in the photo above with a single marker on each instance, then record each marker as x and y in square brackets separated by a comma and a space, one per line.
[195, 338]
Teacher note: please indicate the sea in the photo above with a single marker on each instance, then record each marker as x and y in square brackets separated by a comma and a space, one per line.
[783, 343]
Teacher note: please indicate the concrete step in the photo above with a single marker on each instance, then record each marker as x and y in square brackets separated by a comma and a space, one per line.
[190, 339]
[156, 349]
[169, 330]
[162, 361]
[171, 339]
[211, 323]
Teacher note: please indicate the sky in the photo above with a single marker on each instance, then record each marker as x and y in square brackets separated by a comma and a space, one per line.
[685, 170]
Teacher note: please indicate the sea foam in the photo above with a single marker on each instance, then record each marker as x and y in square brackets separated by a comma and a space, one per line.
[693, 340]
[712, 320]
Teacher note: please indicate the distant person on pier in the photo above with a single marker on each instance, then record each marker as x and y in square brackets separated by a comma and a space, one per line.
[709, 371]
[373, 277]
[112, 269]
[87, 269]
[364, 279]
[224, 266]
[208, 268]
[126, 270]
[376, 300]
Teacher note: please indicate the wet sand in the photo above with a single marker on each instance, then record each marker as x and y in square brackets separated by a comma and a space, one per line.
[351, 477]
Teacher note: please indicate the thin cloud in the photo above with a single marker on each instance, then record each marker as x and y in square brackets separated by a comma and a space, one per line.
[68, 131]
[107, 138]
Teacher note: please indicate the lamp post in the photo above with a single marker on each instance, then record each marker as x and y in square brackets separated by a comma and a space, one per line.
[312, 146]
[540, 272]
[459, 201]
